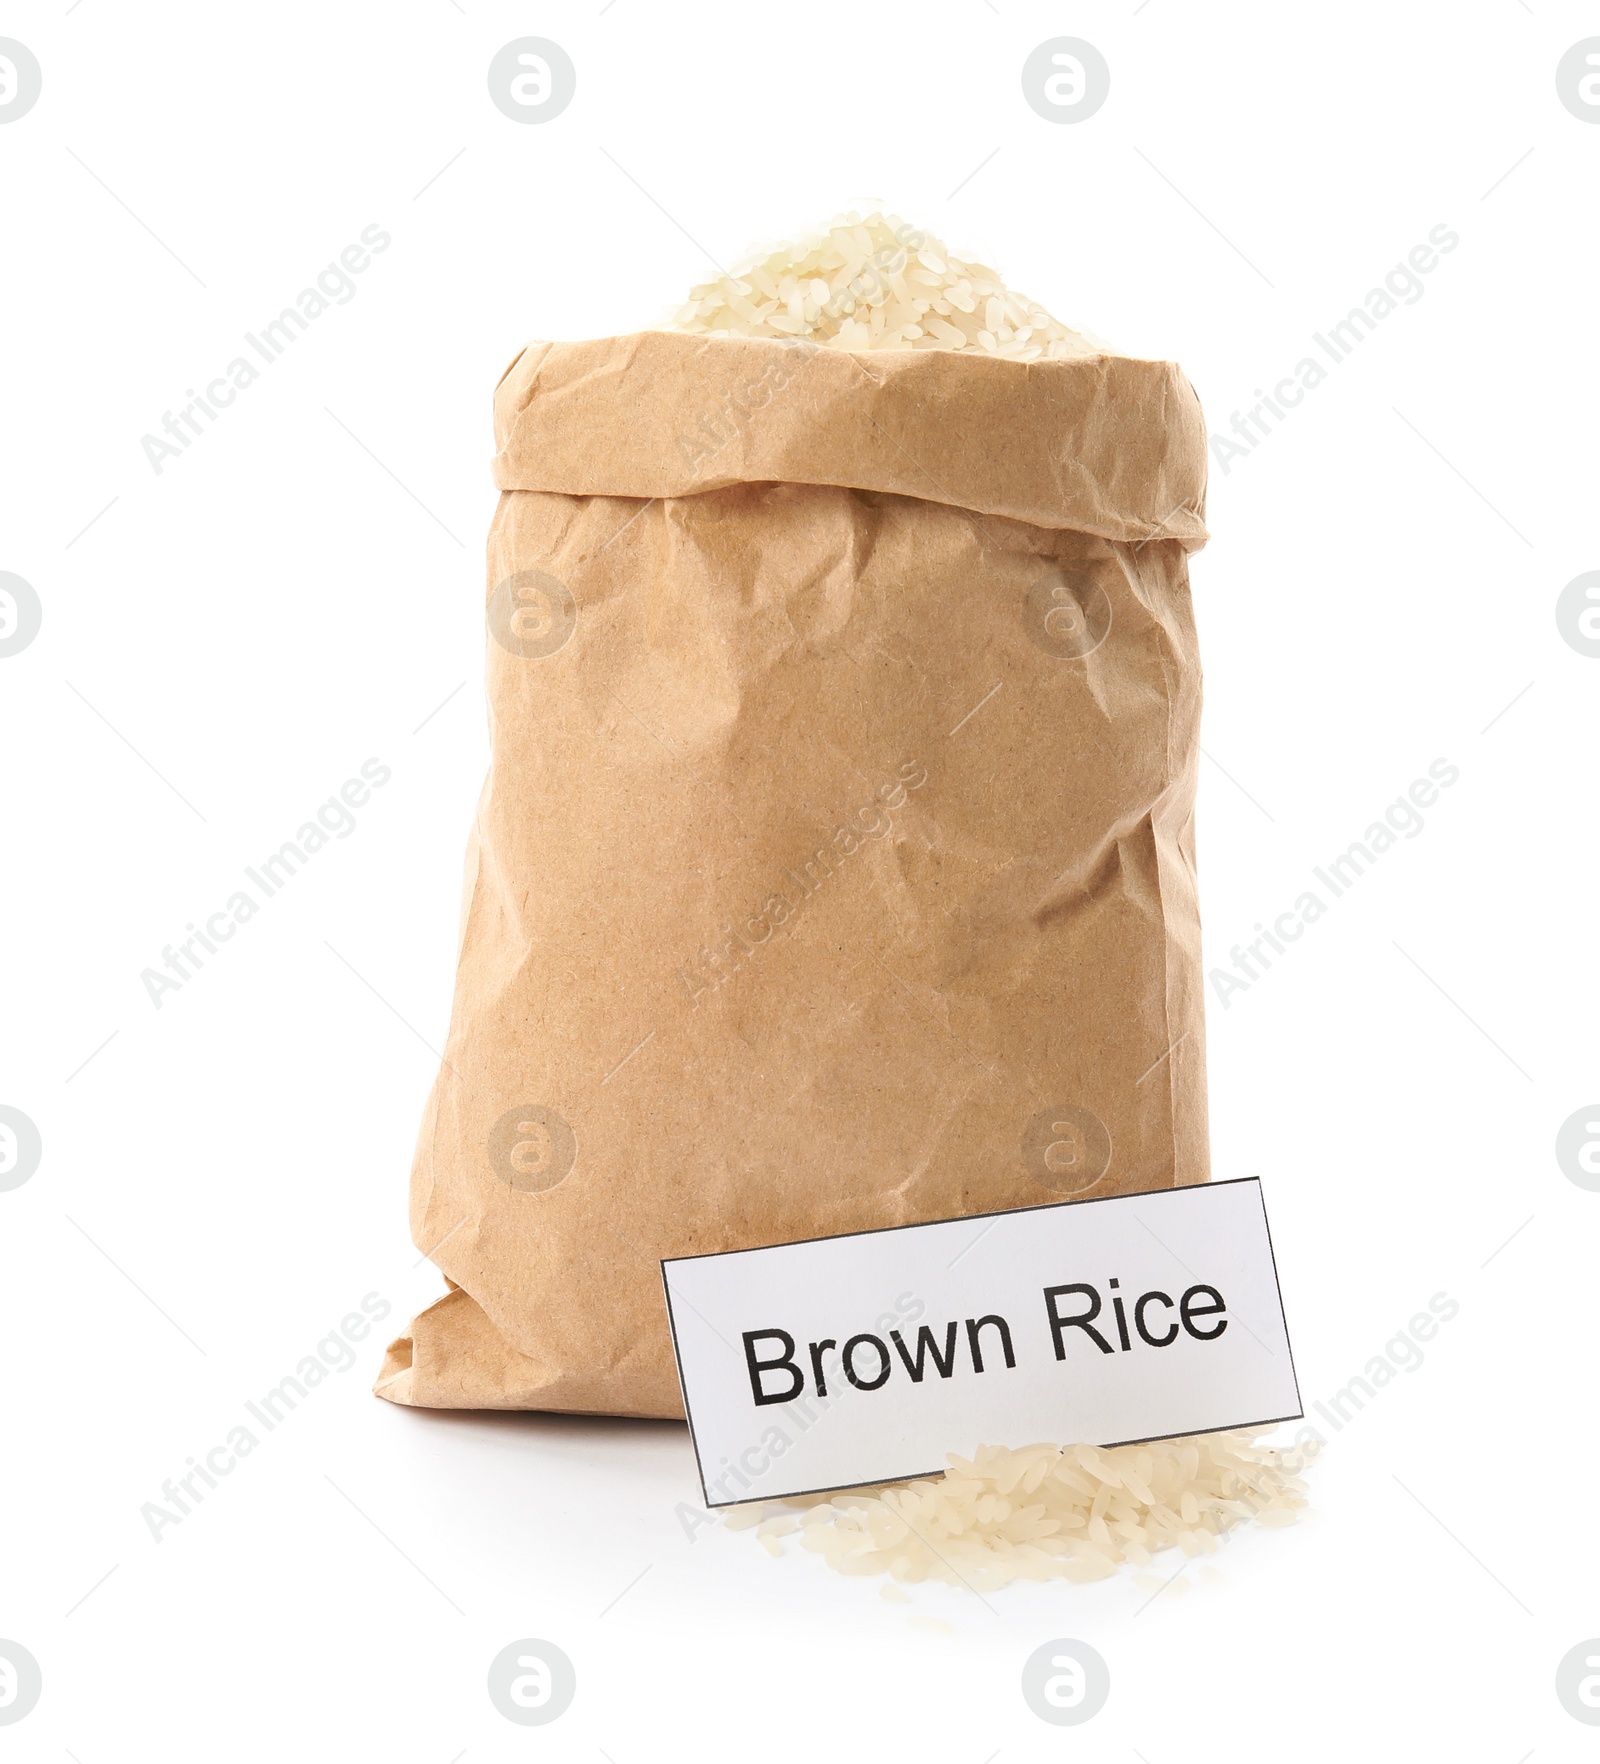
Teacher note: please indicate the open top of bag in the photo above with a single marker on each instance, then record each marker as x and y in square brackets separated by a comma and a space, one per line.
[1101, 444]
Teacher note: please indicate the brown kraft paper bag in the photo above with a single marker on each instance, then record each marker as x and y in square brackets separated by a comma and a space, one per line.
[835, 868]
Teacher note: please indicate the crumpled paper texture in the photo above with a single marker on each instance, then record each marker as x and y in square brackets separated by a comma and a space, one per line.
[835, 868]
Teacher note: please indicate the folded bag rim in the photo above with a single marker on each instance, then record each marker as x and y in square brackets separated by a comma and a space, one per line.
[660, 414]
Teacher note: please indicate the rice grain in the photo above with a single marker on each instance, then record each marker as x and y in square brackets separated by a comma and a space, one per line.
[875, 282]
[1042, 1511]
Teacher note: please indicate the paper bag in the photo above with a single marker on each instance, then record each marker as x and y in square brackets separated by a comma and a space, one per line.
[835, 868]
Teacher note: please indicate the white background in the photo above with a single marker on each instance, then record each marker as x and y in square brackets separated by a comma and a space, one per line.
[227, 642]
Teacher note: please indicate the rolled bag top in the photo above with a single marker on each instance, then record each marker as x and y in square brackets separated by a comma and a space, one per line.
[1100, 444]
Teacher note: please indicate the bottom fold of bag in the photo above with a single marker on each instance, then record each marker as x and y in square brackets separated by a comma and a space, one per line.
[453, 1357]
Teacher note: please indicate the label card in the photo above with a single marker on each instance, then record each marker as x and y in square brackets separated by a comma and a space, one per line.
[844, 1361]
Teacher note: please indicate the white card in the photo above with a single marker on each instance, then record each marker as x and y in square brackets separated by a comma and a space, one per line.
[866, 1358]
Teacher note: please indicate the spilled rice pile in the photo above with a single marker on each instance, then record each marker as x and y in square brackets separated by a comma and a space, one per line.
[1043, 1512]
[877, 283]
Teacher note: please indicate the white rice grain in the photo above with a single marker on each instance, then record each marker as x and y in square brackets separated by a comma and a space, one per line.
[873, 282]
[1042, 1511]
